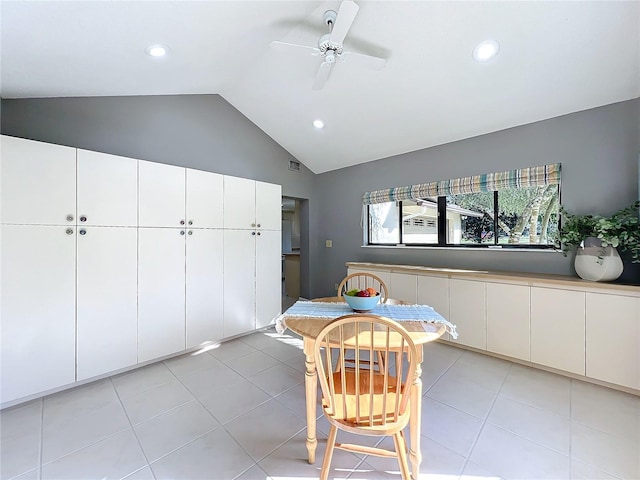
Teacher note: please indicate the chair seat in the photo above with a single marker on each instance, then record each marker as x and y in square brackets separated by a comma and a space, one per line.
[347, 419]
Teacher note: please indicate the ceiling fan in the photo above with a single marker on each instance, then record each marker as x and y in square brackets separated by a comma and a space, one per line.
[330, 44]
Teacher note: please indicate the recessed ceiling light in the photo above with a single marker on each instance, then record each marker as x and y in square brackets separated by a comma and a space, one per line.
[318, 123]
[157, 50]
[485, 50]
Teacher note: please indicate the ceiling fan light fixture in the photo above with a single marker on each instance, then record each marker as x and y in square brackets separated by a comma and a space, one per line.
[486, 50]
[319, 124]
[157, 50]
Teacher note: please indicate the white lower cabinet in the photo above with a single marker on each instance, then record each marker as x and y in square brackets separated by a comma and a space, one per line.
[161, 292]
[37, 309]
[239, 282]
[268, 276]
[613, 339]
[107, 323]
[508, 320]
[557, 328]
[204, 286]
[468, 312]
[403, 286]
[434, 291]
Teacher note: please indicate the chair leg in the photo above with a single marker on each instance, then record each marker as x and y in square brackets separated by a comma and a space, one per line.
[401, 451]
[331, 443]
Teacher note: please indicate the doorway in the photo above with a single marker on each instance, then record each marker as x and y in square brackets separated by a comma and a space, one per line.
[291, 251]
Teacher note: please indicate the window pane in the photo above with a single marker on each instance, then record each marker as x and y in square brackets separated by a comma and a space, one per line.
[528, 216]
[420, 221]
[469, 219]
[383, 223]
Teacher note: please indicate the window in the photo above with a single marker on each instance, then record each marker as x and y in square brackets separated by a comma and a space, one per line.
[515, 209]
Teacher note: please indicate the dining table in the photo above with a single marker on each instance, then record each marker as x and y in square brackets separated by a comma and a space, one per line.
[308, 317]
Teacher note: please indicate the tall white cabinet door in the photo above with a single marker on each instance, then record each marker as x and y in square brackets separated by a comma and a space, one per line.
[38, 182]
[268, 277]
[403, 286]
[204, 199]
[613, 339]
[557, 328]
[161, 196]
[107, 323]
[268, 206]
[508, 320]
[204, 286]
[240, 203]
[38, 309]
[468, 312]
[239, 282]
[107, 190]
[161, 292]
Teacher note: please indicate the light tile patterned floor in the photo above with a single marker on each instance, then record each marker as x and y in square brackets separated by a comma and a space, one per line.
[237, 412]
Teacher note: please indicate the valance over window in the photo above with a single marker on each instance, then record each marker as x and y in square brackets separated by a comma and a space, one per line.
[488, 182]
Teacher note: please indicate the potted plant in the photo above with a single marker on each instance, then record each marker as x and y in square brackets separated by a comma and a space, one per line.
[597, 240]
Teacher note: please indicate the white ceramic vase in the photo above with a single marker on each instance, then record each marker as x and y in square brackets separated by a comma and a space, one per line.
[599, 264]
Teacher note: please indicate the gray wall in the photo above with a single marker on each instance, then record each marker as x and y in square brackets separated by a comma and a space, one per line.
[598, 150]
[197, 131]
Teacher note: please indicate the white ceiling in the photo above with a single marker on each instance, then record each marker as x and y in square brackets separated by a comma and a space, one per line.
[555, 58]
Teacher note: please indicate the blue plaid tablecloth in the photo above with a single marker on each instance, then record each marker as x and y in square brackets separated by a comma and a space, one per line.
[399, 313]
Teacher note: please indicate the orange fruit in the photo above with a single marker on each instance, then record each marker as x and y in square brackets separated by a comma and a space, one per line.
[372, 291]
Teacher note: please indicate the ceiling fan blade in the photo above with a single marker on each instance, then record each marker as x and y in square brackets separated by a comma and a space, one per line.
[322, 76]
[346, 15]
[369, 61]
[288, 47]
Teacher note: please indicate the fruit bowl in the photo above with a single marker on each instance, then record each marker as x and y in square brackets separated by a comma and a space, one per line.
[362, 304]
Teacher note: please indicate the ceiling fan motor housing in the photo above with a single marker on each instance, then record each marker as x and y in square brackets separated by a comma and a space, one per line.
[324, 45]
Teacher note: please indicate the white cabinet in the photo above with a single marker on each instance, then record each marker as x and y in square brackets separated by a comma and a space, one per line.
[37, 309]
[434, 291]
[239, 282]
[204, 199]
[557, 328]
[107, 336]
[161, 292]
[467, 311]
[613, 339]
[249, 204]
[161, 195]
[239, 203]
[268, 275]
[403, 286]
[37, 183]
[268, 206]
[508, 319]
[107, 190]
[204, 286]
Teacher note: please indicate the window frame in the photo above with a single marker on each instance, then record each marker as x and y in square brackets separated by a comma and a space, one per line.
[442, 230]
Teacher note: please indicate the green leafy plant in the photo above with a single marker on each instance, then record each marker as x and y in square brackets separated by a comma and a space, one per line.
[620, 230]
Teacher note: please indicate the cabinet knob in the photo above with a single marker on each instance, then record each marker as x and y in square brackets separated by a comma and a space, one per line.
[69, 231]
[253, 233]
[253, 224]
[83, 218]
[258, 225]
[82, 231]
[190, 232]
[181, 232]
[190, 222]
[258, 233]
[181, 222]
[69, 218]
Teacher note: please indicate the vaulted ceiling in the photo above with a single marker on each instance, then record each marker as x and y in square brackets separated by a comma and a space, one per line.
[555, 58]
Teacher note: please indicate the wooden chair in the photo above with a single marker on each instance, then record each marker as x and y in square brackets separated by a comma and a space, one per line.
[360, 399]
[362, 280]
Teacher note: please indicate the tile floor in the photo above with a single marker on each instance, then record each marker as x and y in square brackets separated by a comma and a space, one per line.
[237, 412]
